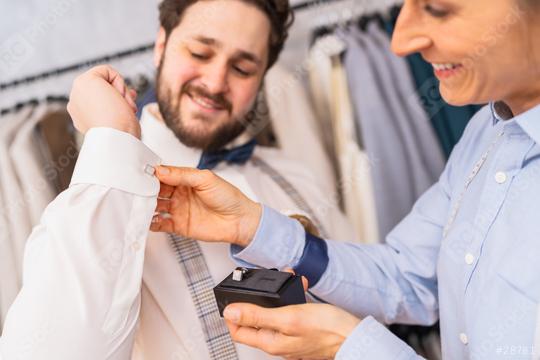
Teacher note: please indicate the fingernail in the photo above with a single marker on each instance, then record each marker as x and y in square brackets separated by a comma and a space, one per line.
[231, 314]
[156, 219]
[163, 170]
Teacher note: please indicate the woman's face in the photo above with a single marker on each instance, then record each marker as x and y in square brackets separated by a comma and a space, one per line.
[481, 50]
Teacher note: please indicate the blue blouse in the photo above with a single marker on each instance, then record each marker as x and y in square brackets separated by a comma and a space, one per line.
[482, 280]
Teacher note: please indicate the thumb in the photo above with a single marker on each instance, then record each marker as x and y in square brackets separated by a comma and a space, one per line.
[254, 316]
[182, 176]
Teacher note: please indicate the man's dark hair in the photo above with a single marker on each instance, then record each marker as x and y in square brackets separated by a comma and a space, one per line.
[278, 11]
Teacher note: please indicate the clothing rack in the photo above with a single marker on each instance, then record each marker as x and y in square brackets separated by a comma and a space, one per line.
[313, 3]
[141, 84]
[34, 102]
[75, 67]
[119, 55]
[362, 22]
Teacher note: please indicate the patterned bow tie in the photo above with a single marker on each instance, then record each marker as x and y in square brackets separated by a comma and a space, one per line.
[239, 155]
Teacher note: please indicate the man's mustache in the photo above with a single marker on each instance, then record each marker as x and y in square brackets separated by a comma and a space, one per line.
[218, 99]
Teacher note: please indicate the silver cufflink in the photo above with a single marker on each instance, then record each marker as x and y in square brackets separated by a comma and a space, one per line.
[238, 274]
[150, 170]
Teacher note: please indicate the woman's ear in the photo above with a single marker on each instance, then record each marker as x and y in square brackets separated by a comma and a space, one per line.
[159, 46]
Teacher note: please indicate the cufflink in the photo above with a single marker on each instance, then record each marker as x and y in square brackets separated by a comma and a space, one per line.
[238, 274]
[149, 169]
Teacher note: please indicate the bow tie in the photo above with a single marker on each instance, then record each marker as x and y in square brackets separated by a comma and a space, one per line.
[238, 155]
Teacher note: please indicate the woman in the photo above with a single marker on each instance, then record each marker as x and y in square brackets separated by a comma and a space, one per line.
[465, 254]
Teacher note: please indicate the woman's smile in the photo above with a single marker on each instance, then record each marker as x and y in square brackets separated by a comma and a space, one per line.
[446, 70]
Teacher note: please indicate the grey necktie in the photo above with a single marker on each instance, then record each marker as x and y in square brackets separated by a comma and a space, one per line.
[200, 285]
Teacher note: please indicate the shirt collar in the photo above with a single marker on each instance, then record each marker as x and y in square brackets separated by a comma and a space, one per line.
[529, 121]
[500, 111]
[162, 140]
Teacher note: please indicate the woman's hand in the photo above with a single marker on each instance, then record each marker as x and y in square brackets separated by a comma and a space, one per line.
[198, 204]
[308, 331]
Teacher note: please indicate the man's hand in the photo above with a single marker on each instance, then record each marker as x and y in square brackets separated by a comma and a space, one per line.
[100, 98]
[309, 331]
[198, 204]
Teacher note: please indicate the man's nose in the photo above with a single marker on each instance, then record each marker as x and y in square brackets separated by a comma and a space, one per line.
[215, 79]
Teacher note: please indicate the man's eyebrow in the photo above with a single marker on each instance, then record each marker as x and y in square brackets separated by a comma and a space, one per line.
[246, 55]
[207, 41]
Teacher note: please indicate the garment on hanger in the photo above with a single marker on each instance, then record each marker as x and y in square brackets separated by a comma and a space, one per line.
[57, 139]
[320, 91]
[295, 126]
[16, 227]
[355, 181]
[30, 164]
[406, 158]
[421, 139]
[8, 271]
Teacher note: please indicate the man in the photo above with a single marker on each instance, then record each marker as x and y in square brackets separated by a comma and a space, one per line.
[211, 57]
[210, 69]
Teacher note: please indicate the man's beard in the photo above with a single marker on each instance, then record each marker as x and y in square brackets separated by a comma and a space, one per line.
[205, 140]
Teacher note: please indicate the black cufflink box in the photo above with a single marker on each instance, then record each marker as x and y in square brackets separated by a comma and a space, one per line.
[266, 288]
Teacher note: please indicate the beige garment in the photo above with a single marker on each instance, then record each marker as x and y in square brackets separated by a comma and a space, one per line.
[296, 127]
[320, 91]
[169, 327]
[31, 165]
[356, 180]
[14, 205]
[354, 168]
[10, 268]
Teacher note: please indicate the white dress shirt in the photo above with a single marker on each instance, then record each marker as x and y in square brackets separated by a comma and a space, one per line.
[87, 260]
[169, 323]
[83, 263]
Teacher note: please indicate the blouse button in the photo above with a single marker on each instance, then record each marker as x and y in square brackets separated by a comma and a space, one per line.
[501, 177]
[464, 339]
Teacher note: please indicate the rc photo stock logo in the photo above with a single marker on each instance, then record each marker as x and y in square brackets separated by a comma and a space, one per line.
[14, 53]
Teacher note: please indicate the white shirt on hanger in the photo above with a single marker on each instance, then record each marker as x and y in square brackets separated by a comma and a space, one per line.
[296, 125]
[355, 182]
[11, 231]
[30, 164]
[13, 205]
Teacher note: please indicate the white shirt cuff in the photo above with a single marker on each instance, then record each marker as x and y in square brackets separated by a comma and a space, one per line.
[118, 160]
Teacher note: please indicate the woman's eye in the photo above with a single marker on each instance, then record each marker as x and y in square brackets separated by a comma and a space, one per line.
[435, 12]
